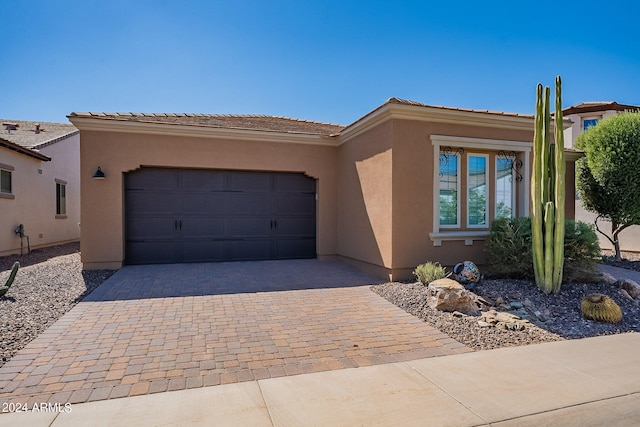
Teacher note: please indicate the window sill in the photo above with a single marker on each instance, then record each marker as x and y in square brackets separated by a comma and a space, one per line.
[7, 196]
[61, 216]
[468, 236]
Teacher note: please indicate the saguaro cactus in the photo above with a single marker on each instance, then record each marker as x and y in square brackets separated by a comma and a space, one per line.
[548, 193]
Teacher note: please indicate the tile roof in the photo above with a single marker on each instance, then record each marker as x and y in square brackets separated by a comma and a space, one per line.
[470, 110]
[232, 121]
[34, 135]
[591, 107]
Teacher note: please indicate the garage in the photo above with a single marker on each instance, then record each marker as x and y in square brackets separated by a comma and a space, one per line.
[198, 215]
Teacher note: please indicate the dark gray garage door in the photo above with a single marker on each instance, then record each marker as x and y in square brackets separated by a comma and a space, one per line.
[186, 215]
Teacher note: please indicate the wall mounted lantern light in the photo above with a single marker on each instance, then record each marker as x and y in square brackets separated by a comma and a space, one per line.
[99, 174]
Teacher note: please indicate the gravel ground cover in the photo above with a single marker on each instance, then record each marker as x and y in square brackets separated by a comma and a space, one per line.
[49, 283]
[550, 317]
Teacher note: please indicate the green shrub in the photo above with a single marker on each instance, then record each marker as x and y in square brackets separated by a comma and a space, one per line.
[428, 272]
[581, 252]
[509, 250]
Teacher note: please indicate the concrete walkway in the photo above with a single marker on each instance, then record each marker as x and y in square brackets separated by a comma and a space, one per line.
[587, 382]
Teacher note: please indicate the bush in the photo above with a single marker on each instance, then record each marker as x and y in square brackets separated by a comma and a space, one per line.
[509, 250]
[428, 272]
[581, 252]
[509, 247]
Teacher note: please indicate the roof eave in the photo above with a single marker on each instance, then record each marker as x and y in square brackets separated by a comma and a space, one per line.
[173, 129]
[22, 150]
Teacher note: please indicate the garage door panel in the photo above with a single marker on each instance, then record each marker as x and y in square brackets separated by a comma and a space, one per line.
[249, 203]
[202, 250]
[150, 202]
[140, 228]
[249, 181]
[209, 227]
[152, 179]
[202, 180]
[296, 227]
[151, 252]
[249, 226]
[250, 249]
[210, 203]
[296, 204]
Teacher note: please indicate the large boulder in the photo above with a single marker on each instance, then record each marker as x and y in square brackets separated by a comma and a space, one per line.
[449, 295]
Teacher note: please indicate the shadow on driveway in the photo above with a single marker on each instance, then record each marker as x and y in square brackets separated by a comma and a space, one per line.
[182, 280]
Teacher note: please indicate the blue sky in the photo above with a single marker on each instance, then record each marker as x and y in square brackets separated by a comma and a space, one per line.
[330, 61]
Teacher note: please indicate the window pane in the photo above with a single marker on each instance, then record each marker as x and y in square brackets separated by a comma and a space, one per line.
[448, 189]
[61, 199]
[477, 190]
[5, 181]
[504, 188]
[586, 124]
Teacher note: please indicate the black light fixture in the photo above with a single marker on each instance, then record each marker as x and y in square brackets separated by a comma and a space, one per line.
[99, 174]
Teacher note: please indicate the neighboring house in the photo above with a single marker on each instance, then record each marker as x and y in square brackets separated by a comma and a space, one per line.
[583, 116]
[404, 184]
[39, 184]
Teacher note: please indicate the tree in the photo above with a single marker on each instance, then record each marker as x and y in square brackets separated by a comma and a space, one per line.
[608, 178]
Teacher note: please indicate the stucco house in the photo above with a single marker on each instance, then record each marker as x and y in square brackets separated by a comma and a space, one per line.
[39, 184]
[583, 116]
[403, 184]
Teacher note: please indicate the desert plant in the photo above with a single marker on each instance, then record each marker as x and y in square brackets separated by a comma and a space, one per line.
[9, 282]
[581, 252]
[429, 271]
[608, 177]
[548, 193]
[509, 250]
[600, 308]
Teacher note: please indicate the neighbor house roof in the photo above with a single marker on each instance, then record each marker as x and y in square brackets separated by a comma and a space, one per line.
[227, 121]
[592, 107]
[27, 137]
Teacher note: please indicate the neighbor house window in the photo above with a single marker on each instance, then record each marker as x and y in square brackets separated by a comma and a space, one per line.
[505, 188]
[477, 190]
[5, 181]
[61, 198]
[587, 123]
[449, 184]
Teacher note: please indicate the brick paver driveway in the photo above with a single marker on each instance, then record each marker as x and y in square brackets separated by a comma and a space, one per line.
[151, 329]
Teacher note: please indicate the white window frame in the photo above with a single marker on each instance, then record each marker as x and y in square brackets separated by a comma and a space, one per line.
[9, 169]
[584, 119]
[513, 188]
[458, 186]
[487, 190]
[522, 202]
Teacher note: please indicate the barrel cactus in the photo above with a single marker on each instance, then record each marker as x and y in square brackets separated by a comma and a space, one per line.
[601, 308]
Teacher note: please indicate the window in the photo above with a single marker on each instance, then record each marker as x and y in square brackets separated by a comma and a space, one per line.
[587, 123]
[449, 190]
[505, 188]
[61, 198]
[477, 190]
[5, 181]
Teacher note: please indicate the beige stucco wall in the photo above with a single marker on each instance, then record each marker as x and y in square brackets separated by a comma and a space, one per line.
[102, 218]
[365, 196]
[34, 204]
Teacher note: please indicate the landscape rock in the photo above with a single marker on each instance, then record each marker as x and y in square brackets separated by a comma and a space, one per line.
[608, 278]
[449, 295]
[632, 288]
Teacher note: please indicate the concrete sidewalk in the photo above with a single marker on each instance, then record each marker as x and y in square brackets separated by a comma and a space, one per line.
[587, 382]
